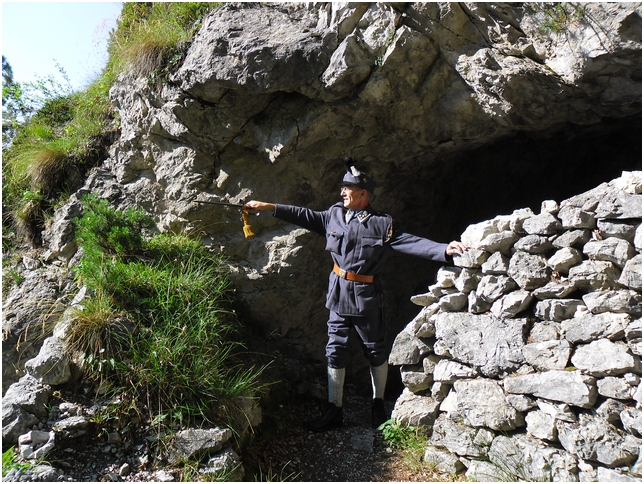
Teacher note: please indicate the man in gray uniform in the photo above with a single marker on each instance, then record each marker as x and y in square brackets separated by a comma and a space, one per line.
[360, 241]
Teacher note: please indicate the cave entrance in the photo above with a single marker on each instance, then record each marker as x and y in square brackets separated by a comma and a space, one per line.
[446, 195]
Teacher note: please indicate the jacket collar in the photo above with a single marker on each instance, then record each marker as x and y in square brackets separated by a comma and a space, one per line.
[362, 215]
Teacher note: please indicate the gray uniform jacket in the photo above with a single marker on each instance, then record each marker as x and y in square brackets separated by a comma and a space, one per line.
[362, 246]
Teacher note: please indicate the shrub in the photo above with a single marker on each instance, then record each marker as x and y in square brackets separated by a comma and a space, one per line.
[411, 441]
[556, 17]
[111, 231]
[399, 435]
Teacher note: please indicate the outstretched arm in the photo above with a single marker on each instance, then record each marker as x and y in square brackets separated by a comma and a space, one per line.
[422, 247]
[303, 217]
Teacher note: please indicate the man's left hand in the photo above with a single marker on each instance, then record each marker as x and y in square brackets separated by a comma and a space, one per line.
[456, 246]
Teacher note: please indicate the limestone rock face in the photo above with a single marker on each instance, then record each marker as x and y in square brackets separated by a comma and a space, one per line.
[530, 458]
[594, 439]
[560, 386]
[50, 366]
[15, 421]
[195, 441]
[483, 403]
[490, 345]
[603, 358]
[269, 98]
[415, 409]
[30, 394]
[461, 439]
[261, 51]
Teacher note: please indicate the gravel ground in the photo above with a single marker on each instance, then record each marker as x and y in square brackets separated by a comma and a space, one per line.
[285, 450]
[282, 449]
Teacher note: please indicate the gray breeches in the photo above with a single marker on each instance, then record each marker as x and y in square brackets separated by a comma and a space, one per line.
[371, 330]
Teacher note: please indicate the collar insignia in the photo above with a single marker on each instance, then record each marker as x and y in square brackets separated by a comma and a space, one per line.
[363, 215]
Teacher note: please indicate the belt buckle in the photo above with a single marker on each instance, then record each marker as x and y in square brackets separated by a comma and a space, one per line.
[342, 273]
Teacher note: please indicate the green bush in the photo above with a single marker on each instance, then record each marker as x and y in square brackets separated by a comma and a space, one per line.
[399, 435]
[111, 231]
[159, 326]
[411, 442]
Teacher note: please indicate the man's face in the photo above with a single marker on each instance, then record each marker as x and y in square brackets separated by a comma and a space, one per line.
[354, 197]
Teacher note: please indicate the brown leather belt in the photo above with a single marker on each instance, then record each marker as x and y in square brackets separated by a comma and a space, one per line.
[352, 276]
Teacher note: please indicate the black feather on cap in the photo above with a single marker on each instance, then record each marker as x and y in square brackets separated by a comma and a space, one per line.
[353, 176]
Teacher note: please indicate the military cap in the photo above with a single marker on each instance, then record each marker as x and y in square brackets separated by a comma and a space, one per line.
[354, 176]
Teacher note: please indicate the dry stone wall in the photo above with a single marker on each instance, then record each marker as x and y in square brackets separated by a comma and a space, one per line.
[526, 359]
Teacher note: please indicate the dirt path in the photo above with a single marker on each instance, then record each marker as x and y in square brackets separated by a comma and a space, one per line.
[285, 450]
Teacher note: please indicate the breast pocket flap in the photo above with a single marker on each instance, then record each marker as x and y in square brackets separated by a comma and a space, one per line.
[334, 241]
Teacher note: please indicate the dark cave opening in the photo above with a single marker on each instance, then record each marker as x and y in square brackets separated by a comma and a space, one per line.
[524, 170]
[509, 174]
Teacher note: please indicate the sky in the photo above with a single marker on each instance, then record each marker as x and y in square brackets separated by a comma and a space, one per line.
[36, 36]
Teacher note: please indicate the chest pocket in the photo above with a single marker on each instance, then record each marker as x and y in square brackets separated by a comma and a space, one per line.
[334, 241]
[371, 247]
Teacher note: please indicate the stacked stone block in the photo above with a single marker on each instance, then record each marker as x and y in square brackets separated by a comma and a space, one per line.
[525, 362]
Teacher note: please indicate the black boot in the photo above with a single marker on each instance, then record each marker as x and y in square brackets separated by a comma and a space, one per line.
[331, 418]
[378, 415]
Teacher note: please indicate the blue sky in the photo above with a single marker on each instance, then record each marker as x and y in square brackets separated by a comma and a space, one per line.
[38, 35]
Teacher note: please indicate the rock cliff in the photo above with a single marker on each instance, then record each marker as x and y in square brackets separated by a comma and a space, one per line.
[459, 110]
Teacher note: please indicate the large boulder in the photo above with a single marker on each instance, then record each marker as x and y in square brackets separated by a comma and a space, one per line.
[490, 345]
[595, 439]
[51, 366]
[191, 443]
[482, 402]
[523, 458]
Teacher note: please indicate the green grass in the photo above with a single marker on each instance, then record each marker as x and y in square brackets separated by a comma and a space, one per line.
[49, 153]
[54, 148]
[153, 34]
[556, 17]
[10, 278]
[160, 328]
[401, 436]
[410, 443]
[10, 461]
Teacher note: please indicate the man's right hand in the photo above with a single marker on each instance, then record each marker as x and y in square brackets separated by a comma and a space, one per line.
[255, 206]
[455, 247]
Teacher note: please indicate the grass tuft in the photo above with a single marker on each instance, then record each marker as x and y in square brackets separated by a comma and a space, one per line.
[152, 34]
[97, 329]
[48, 166]
[10, 460]
[159, 325]
[411, 442]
